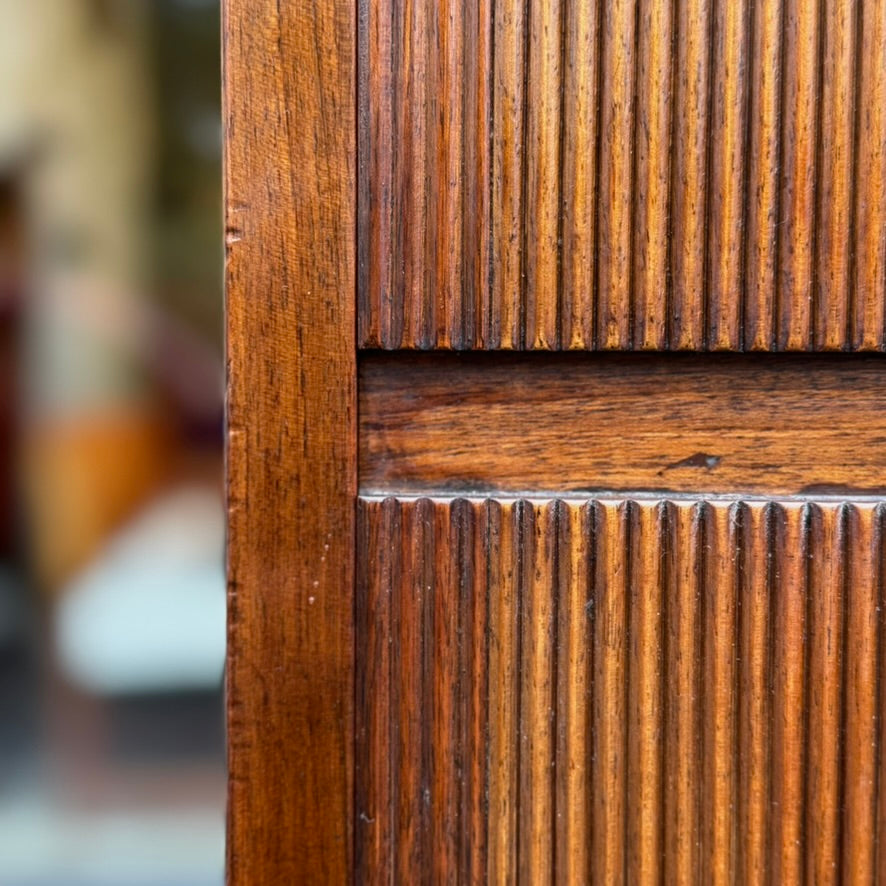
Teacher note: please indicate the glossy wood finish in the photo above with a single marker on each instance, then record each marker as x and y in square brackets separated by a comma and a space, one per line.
[622, 175]
[665, 662]
[614, 690]
[290, 163]
[745, 424]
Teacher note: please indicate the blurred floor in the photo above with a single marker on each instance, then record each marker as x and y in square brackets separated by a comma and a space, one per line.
[111, 735]
[45, 843]
[143, 808]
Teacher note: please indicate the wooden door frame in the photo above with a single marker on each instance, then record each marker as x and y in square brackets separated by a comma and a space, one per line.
[291, 179]
[290, 203]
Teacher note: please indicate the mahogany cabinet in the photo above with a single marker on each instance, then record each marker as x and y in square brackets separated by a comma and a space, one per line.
[556, 441]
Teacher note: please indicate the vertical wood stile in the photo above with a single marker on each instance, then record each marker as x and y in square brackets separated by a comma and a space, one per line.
[863, 710]
[726, 194]
[681, 648]
[644, 713]
[609, 714]
[574, 675]
[866, 321]
[290, 195]
[717, 697]
[835, 180]
[652, 150]
[581, 132]
[616, 175]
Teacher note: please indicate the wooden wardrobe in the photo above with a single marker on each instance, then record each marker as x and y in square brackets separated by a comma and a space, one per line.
[556, 441]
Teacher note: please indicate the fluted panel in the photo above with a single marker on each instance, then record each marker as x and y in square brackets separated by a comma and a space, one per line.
[613, 690]
[633, 174]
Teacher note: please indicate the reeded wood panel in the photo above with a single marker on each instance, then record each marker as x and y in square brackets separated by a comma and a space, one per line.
[609, 691]
[630, 174]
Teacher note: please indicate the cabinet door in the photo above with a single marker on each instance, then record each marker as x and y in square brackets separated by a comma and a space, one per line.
[557, 448]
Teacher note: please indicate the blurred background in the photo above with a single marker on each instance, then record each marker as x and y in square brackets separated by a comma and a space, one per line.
[111, 372]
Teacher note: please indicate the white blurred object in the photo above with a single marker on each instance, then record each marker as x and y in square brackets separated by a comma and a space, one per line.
[148, 615]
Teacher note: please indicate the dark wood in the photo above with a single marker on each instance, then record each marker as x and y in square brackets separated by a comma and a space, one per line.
[648, 644]
[290, 163]
[629, 174]
[725, 424]
[619, 690]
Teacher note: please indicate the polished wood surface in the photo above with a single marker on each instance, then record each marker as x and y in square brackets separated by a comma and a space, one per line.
[618, 690]
[290, 163]
[647, 645]
[622, 175]
[774, 425]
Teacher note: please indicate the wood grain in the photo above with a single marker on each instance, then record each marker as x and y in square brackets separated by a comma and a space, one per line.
[656, 653]
[737, 424]
[290, 163]
[623, 175]
[611, 690]
[754, 711]
[869, 221]
[726, 151]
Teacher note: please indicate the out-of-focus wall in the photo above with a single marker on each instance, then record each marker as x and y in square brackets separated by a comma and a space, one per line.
[73, 73]
[76, 137]
[112, 592]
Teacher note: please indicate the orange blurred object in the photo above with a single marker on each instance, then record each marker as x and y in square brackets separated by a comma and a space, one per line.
[84, 477]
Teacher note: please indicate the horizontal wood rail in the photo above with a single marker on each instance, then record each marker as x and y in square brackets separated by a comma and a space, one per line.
[722, 424]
